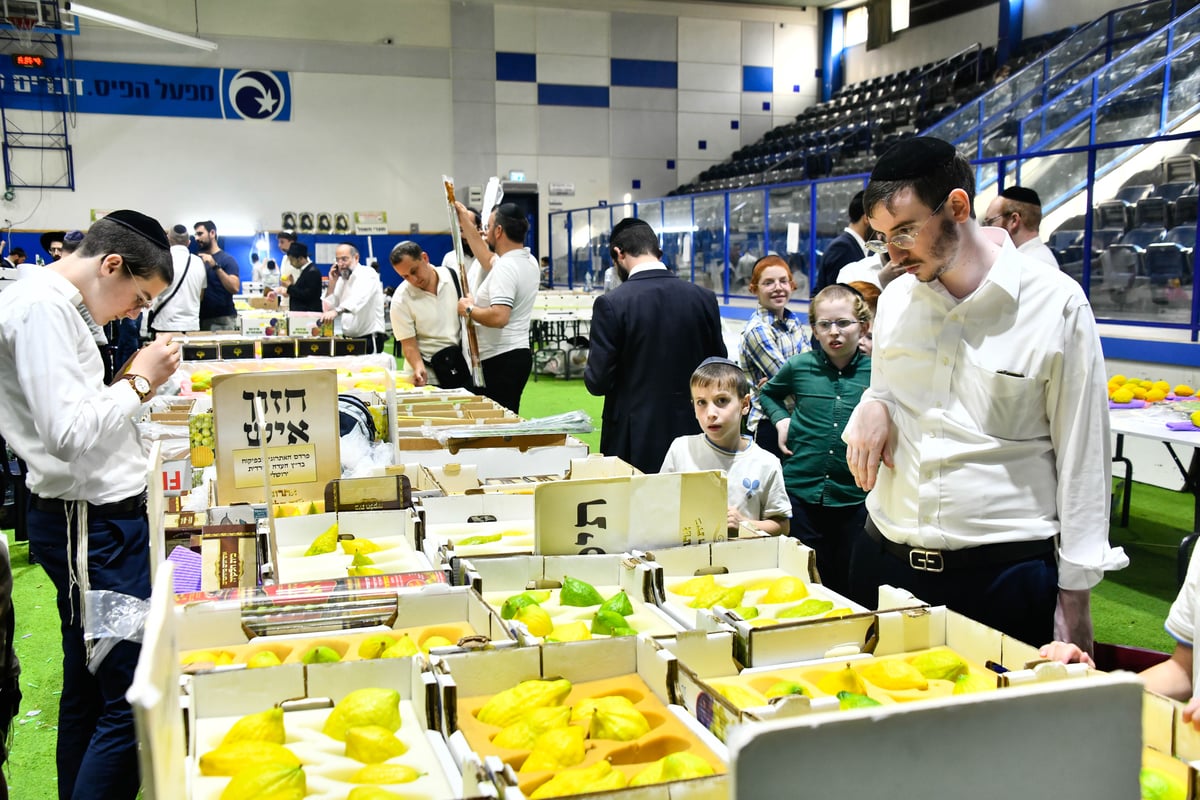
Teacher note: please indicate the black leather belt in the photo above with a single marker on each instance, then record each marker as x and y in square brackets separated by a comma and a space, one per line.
[985, 555]
[121, 508]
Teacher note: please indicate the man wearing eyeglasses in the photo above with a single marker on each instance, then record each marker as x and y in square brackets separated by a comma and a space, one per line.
[983, 438]
[87, 472]
[1019, 211]
[355, 294]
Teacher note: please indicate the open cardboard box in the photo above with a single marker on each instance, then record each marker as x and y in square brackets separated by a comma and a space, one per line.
[465, 478]
[308, 613]
[498, 578]
[487, 673]
[1174, 744]
[497, 456]
[705, 658]
[396, 529]
[453, 518]
[785, 642]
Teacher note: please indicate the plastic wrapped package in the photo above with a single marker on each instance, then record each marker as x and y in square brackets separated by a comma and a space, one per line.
[111, 617]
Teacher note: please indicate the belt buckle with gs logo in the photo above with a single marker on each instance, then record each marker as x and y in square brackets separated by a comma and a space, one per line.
[926, 560]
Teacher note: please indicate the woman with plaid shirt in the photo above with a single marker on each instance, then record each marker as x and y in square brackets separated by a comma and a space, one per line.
[771, 336]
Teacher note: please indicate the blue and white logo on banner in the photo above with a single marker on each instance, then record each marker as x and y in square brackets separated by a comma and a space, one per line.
[255, 94]
[102, 87]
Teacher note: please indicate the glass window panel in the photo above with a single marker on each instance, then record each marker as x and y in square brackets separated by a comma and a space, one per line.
[791, 205]
[708, 249]
[833, 198]
[1133, 113]
[584, 240]
[560, 246]
[747, 237]
[1184, 91]
[677, 235]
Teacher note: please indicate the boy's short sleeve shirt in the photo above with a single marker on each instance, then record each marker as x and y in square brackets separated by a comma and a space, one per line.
[755, 479]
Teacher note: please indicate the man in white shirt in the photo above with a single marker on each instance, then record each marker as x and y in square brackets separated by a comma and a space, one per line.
[424, 315]
[988, 410]
[87, 472]
[1019, 211]
[177, 310]
[355, 293]
[502, 307]
[287, 272]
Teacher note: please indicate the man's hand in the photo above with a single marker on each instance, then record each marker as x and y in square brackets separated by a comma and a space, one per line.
[1191, 712]
[419, 376]
[466, 220]
[889, 273]
[1067, 653]
[329, 316]
[781, 429]
[209, 260]
[464, 302]
[1073, 618]
[868, 441]
[156, 361]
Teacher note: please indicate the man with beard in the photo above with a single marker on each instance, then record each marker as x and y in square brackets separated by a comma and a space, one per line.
[988, 409]
[647, 337]
[216, 307]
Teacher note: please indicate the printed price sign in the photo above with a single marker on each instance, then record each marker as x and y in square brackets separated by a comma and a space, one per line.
[614, 515]
[300, 432]
[177, 477]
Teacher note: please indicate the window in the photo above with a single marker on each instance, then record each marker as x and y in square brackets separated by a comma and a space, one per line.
[856, 26]
[899, 15]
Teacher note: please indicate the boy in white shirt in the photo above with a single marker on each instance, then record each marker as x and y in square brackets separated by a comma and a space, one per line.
[720, 399]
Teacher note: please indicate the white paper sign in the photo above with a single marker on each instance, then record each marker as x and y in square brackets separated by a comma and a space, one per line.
[614, 515]
[793, 237]
[177, 477]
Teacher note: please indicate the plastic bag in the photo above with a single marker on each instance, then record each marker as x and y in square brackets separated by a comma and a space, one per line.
[111, 617]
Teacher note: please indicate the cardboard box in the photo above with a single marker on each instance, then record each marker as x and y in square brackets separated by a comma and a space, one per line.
[298, 612]
[496, 579]
[487, 673]
[1170, 745]
[450, 519]
[278, 348]
[351, 347]
[740, 560]
[201, 352]
[242, 349]
[314, 347]
[394, 530]
[309, 323]
[497, 457]
[229, 557]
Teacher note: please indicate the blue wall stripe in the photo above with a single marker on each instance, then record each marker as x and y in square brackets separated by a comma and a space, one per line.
[557, 94]
[516, 67]
[640, 72]
[758, 79]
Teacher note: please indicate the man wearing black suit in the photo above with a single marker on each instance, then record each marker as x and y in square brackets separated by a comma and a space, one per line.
[647, 337]
[847, 248]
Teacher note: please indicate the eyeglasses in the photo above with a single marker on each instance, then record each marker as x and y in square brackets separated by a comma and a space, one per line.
[826, 325]
[143, 301]
[987, 223]
[904, 241]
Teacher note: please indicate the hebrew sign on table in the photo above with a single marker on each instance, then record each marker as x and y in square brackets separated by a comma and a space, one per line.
[300, 433]
[615, 515]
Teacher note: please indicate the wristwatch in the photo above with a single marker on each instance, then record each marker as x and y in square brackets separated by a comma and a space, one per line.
[469, 310]
[140, 385]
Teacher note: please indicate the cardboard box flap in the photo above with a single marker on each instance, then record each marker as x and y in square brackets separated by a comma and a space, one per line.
[952, 734]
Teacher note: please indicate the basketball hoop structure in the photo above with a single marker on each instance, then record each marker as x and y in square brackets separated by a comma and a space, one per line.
[23, 30]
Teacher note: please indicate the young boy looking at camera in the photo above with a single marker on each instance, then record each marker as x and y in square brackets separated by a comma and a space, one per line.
[720, 399]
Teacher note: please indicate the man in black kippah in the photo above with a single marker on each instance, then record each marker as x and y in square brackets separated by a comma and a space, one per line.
[988, 410]
[87, 520]
[1019, 211]
[647, 337]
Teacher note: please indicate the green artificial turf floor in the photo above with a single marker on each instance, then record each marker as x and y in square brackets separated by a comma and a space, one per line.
[1128, 607]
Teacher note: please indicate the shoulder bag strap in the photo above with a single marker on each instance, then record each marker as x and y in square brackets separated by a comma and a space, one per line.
[154, 312]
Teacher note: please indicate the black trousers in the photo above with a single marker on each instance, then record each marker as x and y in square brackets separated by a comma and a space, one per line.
[505, 376]
[832, 531]
[1017, 598]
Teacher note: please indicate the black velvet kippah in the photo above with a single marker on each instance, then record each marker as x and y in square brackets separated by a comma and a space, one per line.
[1022, 195]
[626, 224]
[910, 159]
[298, 250]
[146, 227]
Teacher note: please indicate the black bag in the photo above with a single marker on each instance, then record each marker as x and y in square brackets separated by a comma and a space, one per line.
[451, 368]
[449, 364]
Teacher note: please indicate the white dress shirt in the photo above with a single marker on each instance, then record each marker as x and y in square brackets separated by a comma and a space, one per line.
[1036, 248]
[182, 311]
[359, 299]
[1000, 416]
[865, 269]
[76, 435]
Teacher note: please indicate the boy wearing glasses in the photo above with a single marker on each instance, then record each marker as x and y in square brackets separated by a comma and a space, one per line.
[87, 472]
[988, 411]
[825, 383]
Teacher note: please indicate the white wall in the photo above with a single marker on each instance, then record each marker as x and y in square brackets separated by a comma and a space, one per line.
[374, 126]
[1045, 16]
